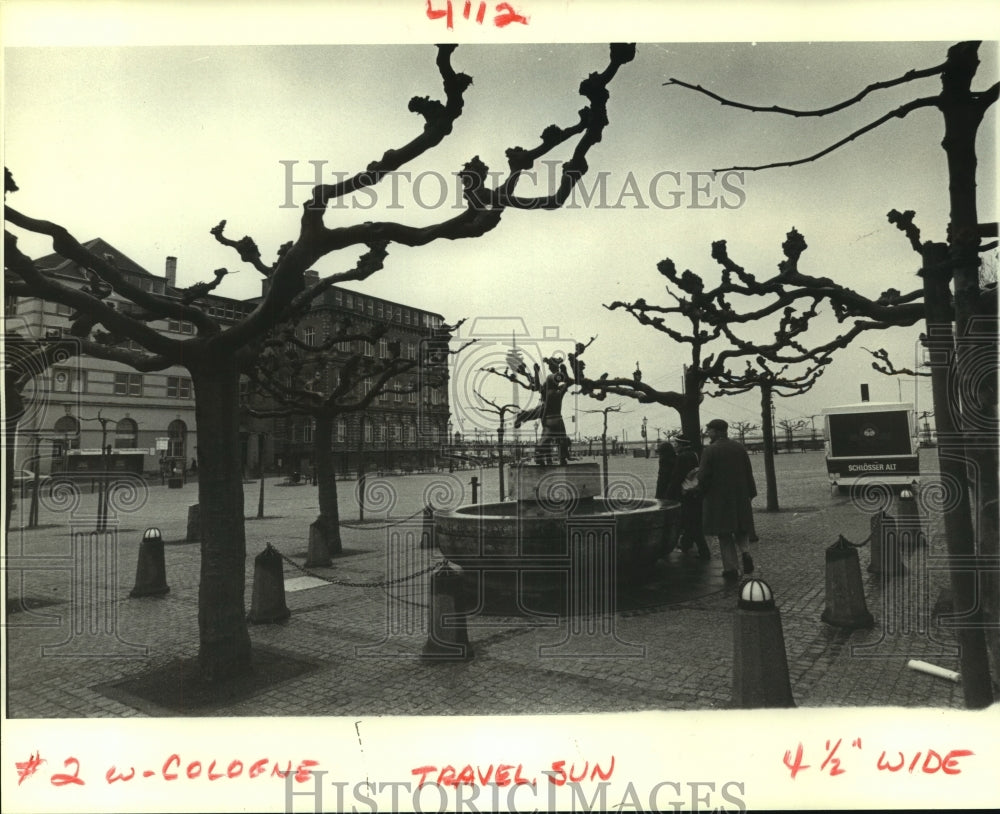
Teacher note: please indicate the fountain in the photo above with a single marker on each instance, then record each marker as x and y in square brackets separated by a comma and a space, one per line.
[558, 547]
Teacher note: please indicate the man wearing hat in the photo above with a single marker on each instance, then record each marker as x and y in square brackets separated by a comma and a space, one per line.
[725, 479]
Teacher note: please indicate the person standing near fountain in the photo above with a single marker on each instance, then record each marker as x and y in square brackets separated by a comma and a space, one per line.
[685, 484]
[725, 479]
[666, 489]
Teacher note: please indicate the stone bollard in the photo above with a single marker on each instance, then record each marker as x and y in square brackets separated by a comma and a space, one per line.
[150, 570]
[427, 533]
[193, 527]
[318, 554]
[268, 601]
[909, 525]
[447, 635]
[760, 666]
[845, 595]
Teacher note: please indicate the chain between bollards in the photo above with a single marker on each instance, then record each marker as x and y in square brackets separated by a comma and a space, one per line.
[348, 584]
[381, 528]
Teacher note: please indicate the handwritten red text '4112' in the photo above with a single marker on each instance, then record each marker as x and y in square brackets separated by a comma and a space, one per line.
[505, 14]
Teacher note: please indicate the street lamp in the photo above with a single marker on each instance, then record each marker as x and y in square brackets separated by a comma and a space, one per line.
[102, 488]
[645, 436]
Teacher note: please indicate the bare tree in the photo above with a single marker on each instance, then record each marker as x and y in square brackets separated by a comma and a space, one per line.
[770, 383]
[714, 314]
[216, 355]
[742, 428]
[961, 332]
[291, 377]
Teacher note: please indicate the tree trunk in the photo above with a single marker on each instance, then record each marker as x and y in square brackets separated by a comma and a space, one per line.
[767, 428]
[13, 410]
[959, 531]
[690, 411]
[975, 350]
[224, 649]
[260, 474]
[328, 522]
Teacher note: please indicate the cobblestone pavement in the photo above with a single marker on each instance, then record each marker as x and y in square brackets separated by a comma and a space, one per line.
[71, 640]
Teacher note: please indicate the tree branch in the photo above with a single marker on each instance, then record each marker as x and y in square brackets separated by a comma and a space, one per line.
[909, 76]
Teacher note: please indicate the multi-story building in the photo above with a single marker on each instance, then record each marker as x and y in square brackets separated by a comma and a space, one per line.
[405, 426]
[82, 404]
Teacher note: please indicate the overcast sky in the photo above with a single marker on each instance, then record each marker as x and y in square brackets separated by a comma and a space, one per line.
[149, 147]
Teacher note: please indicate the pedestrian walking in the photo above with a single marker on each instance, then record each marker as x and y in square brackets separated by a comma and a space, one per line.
[684, 484]
[725, 480]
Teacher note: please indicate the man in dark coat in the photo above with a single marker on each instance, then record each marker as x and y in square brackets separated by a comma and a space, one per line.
[725, 479]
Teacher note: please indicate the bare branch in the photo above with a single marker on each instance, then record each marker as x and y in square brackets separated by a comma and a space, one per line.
[900, 112]
[69, 247]
[909, 76]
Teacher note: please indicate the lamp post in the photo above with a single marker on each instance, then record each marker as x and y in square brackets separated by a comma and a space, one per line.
[102, 481]
[645, 436]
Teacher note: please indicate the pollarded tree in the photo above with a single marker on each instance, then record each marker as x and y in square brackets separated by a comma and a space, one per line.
[713, 316]
[325, 383]
[960, 314]
[742, 428]
[771, 383]
[215, 355]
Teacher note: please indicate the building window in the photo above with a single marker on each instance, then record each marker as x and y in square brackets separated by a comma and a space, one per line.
[411, 350]
[367, 431]
[399, 396]
[338, 298]
[66, 435]
[341, 435]
[177, 439]
[367, 385]
[128, 384]
[406, 316]
[383, 348]
[367, 348]
[307, 431]
[344, 346]
[399, 314]
[380, 310]
[381, 434]
[178, 387]
[126, 434]
[349, 300]
[9, 305]
[69, 380]
[411, 397]
[180, 326]
[370, 308]
[309, 336]
[411, 434]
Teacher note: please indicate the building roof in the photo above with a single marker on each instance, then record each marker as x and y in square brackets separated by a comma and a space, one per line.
[58, 264]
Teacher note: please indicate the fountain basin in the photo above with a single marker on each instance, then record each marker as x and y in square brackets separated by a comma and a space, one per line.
[528, 557]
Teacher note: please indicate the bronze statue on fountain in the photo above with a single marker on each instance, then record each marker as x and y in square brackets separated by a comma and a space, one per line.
[553, 445]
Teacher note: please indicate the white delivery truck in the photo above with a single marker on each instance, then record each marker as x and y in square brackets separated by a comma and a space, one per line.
[871, 440]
